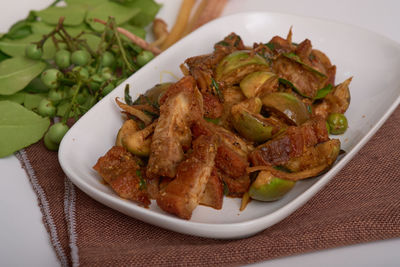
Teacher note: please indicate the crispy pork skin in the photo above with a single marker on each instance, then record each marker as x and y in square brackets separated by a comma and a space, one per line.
[292, 144]
[231, 160]
[120, 169]
[213, 195]
[182, 195]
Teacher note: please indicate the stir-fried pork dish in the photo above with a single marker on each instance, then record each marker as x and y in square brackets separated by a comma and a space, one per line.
[246, 122]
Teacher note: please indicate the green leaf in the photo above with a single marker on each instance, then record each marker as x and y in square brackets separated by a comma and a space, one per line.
[215, 121]
[271, 46]
[282, 168]
[321, 93]
[39, 27]
[19, 127]
[31, 101]
[92, 40]
[291, 85]
[74, 15]
[215, 86]
[16, 98]
[148, 10]
[16, 73]
[104, 10]
[297, 59]
[16, 48]
[226, 189]
[3, 56]
[36, 86]
[19, 30]
[86, 4]
[74, 31]
[128, 98]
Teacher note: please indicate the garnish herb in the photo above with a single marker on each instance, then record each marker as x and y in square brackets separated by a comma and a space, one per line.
[215, 86]
[142, 182]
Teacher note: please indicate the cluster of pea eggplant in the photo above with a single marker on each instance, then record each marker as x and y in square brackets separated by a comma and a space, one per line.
[252, 73]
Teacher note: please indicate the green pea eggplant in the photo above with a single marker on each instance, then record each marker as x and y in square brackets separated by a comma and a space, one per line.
[267, 187]
[254, 127]
[253, 83]
[235, 66]
[287, 106]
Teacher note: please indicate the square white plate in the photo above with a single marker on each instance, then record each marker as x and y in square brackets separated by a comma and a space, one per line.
[373, 60]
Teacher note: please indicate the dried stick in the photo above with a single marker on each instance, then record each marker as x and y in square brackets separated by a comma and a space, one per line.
[180, 24]
[212, 10]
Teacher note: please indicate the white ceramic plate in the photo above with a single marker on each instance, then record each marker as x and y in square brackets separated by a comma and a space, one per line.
[373, 60]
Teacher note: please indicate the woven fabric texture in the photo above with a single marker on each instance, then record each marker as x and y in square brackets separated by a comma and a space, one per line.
[360, 204]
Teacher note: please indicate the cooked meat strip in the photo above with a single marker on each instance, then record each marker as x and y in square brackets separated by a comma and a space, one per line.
[314, 156]
[320, 61]
[182, 195]
[120, 169]
[317, 60]
[303, 50]
[307, 82]
[292, 143]
[281, 45]
[230, 162]
[116, 161]
[232, 156]
[236, 186]
[213, 108]
[181, 107]
[213, 195]
[228, 138]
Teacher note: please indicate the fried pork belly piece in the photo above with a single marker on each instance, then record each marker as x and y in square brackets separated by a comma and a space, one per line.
[231, 160]
[228, 138]
[180, 107]
[281, 45]
[313, 156]
[213, 195]
[182, 195]
[212, 107]
[237, 186]
[291, 144]
[120, 169]
[307, 82]
[317, 60]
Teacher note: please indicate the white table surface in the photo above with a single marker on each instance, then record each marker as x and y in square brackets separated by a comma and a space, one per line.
[23, 238]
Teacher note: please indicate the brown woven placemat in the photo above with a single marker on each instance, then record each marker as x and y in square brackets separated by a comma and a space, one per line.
[360, 204]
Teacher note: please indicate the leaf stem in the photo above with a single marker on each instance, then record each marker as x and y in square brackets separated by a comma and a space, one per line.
[72, 103]
[120, 46]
